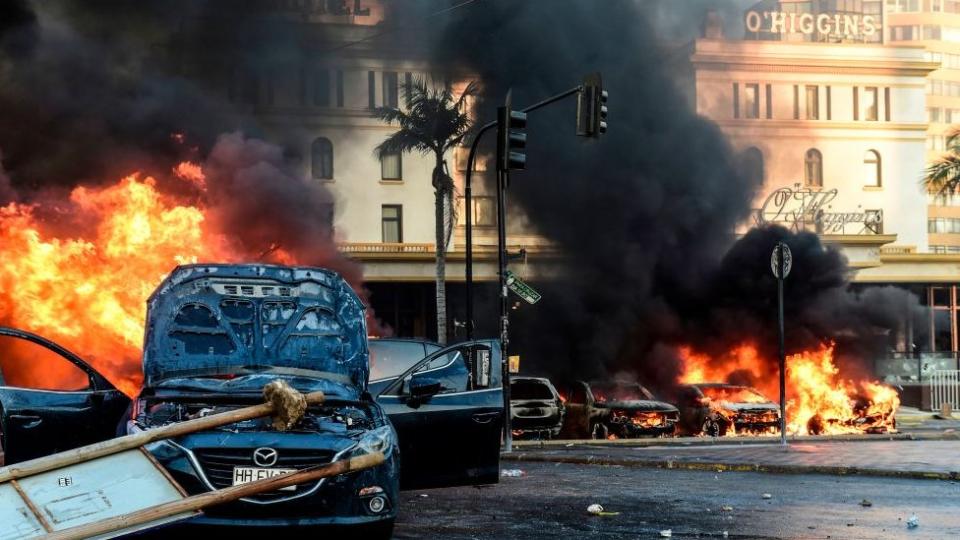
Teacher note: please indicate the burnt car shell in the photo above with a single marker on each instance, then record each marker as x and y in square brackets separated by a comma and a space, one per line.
[536, 409]
[216, 334]
[704, 410]
[601, 409]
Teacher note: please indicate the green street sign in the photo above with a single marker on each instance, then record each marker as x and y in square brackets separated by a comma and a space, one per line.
[521, 289]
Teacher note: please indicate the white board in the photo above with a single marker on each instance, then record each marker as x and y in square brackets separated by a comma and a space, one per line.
[84, 493]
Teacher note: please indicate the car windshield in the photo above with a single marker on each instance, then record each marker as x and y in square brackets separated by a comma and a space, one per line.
[390, 358]
[530, 390]
[619, 392]
[734, 394]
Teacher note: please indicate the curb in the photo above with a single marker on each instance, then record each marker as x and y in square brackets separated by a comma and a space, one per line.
[733, 467]
[714, 441]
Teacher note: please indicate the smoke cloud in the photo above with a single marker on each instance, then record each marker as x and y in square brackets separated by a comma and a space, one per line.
[645, 216]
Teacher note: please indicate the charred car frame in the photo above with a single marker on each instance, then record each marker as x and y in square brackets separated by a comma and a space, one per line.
[602, 410]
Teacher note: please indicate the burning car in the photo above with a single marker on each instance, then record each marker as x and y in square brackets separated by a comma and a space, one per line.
[536, 409]
[216, 334]
[602, 410]
[719, 409]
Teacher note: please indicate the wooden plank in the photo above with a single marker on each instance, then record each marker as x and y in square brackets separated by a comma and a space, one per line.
[32, 507]
[120, 444]
[152, 515]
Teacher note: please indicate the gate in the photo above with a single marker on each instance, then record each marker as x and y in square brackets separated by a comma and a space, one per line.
[945, 388]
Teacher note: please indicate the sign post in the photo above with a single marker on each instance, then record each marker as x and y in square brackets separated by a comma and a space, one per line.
[522, 289]
[781, 262]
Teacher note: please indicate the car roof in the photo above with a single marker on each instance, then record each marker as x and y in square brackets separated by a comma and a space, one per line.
[719, 385]
[404, 340]
[524, 378]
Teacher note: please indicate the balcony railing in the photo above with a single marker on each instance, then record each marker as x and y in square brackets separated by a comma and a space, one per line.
[384, 247]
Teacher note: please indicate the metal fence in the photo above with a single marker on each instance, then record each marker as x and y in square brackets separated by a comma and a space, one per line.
[945, 388]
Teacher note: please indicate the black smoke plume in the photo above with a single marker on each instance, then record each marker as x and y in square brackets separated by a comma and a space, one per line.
[646, 216]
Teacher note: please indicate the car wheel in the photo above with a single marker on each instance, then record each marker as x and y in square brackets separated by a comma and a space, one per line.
[712, 428]
[599, 431]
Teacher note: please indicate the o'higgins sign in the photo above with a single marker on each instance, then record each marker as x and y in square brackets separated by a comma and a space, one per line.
[780, 22]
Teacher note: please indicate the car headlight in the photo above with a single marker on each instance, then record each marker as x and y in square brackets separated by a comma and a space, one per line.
[381, 440]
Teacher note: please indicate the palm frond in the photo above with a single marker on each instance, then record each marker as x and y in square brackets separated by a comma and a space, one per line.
[943, 175]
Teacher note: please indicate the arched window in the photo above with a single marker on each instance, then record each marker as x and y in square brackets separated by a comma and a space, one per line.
[871, 169]
[752, 164]
[321, 154]
[813, 168]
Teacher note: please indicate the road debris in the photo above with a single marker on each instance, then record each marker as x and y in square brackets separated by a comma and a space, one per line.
[726, 508]
[726, 534]
[594, 509]
[767, 496]
[666, 533]
[913, 521]
[866, 503]
[512, 473]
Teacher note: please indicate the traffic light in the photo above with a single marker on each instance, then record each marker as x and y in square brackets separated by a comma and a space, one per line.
[592, 107]
[511, 138]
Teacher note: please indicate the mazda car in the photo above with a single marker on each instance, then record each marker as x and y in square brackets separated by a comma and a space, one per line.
[215, 335]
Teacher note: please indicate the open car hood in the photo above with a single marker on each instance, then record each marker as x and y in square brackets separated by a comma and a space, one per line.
[214, 322]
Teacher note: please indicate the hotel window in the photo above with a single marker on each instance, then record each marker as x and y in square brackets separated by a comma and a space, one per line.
[856, 103]
[407, 87]
[813, 102]
[931, 32]
[796, 102]
[391, 89]
[321, 158]
[769, 90]
[886, 104]
[935, 5]
[951, 6]
[391, 223]
[371, 90]
[870, 103]
[903, 5]
[391, 166]
[484, 213]
[751, 100]
[829, 104]
[736, 100]
[321, 88]
[934, 115]
[871, 169]
[752, 164]
[339, 88]
[813, 168]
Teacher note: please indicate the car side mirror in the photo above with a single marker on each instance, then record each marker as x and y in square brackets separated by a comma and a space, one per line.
[422, 388]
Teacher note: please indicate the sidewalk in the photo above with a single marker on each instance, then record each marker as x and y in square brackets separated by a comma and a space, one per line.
[933, 459]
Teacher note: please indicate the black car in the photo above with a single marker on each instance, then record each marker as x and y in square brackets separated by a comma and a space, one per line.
[536, 409]
[602, 410]
[216, 334]
[719, 409]
[390, 357]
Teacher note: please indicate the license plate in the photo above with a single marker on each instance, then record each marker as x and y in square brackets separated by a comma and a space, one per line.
[245, 475]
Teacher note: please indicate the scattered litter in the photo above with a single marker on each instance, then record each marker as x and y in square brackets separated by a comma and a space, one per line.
[726, 508]
[512, 473]
[594, 509]
[866, 503]
[913, 521]
[850, 524]
[424, 495]
[568, 445]
[666, 533]
[767, 496]
[725, 534]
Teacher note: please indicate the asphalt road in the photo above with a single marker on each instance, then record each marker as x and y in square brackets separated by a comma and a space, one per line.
[550, 501]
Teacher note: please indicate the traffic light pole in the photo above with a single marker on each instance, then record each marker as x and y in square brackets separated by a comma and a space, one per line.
[504, 321]
[468, 199]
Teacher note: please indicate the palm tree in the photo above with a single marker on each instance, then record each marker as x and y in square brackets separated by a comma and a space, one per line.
[943, 175]
[434, 121]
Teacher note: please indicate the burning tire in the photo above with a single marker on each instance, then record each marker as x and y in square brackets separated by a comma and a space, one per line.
[713, 427]
[599, 431]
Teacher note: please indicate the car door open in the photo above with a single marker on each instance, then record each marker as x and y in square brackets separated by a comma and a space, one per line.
[448, 413]
[71, 406]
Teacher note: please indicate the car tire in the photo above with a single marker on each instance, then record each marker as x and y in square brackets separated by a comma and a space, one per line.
[713, 428]
[599, 431]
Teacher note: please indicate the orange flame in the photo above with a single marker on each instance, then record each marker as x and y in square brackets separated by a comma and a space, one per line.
[88, 294]
[819, 399]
